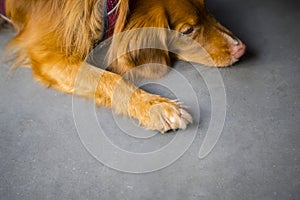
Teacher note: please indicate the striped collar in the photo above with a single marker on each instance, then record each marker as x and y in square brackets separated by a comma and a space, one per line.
[2, 7]
[109, 19]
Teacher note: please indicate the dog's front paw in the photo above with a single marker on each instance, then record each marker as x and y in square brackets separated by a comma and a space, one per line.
[162, 114]
[167, 116]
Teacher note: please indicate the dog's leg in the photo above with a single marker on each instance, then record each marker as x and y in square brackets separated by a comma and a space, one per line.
[109, 89]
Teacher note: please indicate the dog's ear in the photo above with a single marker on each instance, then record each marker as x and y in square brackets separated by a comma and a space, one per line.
[140, 48]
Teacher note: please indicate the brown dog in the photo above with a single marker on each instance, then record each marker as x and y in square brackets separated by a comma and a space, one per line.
[56, 36]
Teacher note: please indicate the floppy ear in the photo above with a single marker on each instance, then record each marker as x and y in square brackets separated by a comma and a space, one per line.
[140, 49]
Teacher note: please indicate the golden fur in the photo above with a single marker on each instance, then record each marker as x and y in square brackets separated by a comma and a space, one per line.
[56, 36]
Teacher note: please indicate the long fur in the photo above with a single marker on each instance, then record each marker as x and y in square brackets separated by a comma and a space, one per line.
[55, 37]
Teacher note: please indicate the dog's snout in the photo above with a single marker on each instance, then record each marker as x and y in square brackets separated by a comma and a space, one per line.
[237, 50]
[237, 47]
[231, 40]
[235, 42]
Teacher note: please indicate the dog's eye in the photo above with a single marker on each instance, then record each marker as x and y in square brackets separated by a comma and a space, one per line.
[188, 31]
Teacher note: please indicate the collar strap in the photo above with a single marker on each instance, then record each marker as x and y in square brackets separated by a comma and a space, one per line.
[109, 19]
[2, 7]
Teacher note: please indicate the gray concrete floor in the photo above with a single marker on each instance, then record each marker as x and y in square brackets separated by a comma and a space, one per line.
[256, 157]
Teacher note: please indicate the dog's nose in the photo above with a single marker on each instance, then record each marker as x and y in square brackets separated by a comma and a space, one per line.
[238, 49]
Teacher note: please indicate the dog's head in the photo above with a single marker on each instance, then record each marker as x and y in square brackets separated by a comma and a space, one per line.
[189, 17]
[192, 19]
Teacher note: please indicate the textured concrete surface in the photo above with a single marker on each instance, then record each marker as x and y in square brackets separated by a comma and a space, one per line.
[256, 157]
